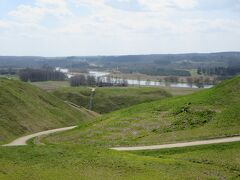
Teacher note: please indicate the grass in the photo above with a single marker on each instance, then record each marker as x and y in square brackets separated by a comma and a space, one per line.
[25, 109]
[85, 162]
[10, 76]
[206, 114]
[181, 91]
[110, 99]
[224, 156]
[51, 85]
[83, 153]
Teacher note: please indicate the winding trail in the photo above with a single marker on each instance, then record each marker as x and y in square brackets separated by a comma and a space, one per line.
[23, 140]
[186, 144]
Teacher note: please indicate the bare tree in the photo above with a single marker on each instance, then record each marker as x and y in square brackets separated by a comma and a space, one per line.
[148, 82]
[139, 80]
[190, 81]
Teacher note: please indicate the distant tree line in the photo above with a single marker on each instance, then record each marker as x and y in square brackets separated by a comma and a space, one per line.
[219, 71]
[171, 79]
[82, 80]
[8, 71]
[197, 81]
[35, 75]
[201, 81]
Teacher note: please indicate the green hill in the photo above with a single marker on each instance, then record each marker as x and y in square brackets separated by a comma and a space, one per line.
[25, 109]
[110, 99]
[206, 114]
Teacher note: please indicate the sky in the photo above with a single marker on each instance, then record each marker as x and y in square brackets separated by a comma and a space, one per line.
[118, 27]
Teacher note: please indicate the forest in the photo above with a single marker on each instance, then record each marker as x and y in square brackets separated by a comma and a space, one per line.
[35, 75]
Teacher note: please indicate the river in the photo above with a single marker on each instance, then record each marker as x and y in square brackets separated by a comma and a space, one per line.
[103, 77]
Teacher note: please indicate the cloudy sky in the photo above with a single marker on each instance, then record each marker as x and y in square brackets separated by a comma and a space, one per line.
[115, 27]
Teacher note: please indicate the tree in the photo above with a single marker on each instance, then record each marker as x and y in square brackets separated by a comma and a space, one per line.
[199, 71]
[167, 81]
[139, 80]
[35, 75]
[207, 80]
[24, 76]
[79, 80]
[91, 81]
[148, 82]
[125, 83]
[190, 81]
[199, 82]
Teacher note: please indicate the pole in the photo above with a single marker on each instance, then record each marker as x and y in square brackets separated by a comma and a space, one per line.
[91, 99]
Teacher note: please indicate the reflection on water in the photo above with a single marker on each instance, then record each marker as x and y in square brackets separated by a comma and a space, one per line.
[98, 73]
[103, 77]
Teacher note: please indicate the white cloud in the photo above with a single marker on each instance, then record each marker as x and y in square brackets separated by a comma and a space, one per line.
[28, 14]
[59, 3]
[4, 24]
[158, 25]
[41, 9]
[164, 5]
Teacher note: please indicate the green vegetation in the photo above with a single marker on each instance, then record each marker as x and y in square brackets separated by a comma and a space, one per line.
[25, 109]
[181, 91]
[43, 74]
[83, 153]
[110, 99]
[206, 114]
[224, 156]
[51, 85]
[56, 85]
[83, 162]
[9, 76]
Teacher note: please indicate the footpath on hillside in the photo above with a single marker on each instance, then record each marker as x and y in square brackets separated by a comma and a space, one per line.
[23, 141]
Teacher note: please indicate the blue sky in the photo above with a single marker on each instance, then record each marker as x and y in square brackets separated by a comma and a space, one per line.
[116, 27]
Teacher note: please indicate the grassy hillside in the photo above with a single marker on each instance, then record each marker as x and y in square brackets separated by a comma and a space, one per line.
[83, 162]
[206, 114]
[83, 153]
[25, 108]
[110, 99]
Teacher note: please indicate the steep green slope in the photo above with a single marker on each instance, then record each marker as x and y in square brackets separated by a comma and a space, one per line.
[110, 99]
[25, 108]
[207, 114]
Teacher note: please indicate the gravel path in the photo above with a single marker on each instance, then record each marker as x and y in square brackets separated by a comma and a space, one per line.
[23, 140]
[186, 144]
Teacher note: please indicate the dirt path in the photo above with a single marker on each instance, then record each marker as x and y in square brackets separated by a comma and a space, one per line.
[186, 144]
[23, 140]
